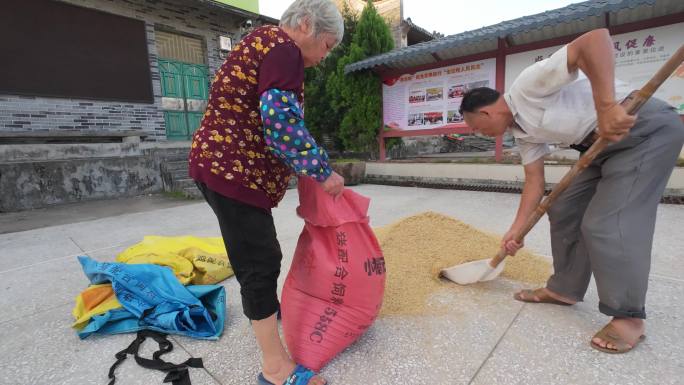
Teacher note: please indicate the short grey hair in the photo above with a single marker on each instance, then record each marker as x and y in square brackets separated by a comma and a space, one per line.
[322, 14]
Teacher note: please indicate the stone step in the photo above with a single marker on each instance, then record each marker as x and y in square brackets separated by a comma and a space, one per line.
[175, 165]
[180, 155]
[192, 192]
[178, 174]
[180, 184]
[183, 157]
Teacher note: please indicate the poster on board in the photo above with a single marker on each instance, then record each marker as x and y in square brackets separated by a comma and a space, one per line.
[430, 99]
[638, 55]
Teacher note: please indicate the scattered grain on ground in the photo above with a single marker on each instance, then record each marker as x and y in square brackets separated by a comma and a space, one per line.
[418, 247]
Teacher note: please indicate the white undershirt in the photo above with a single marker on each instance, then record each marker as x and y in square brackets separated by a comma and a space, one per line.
[552, 105]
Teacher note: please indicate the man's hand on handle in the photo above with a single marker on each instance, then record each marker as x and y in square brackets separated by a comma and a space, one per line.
[614, 122]
[509, 244]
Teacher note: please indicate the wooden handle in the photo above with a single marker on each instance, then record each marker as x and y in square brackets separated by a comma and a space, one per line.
[500, 256]
[632, 104]
[663, 74]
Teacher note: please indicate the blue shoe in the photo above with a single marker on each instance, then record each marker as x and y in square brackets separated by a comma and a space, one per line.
[261, 380]
[300, 376]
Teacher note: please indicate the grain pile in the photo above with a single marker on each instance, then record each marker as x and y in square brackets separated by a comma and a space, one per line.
[418, 247]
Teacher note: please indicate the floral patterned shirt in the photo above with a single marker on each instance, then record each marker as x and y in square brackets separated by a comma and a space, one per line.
[252, 136]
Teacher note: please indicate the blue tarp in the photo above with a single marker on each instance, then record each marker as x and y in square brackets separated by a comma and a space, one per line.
[154, 299]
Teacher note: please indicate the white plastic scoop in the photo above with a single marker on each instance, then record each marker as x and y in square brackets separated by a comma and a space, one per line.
[475, 271]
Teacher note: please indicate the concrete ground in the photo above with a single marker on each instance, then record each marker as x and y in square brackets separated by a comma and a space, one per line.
[485, 338]
[83, 211]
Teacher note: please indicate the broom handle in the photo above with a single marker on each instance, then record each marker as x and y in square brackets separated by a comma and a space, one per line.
[632, 104]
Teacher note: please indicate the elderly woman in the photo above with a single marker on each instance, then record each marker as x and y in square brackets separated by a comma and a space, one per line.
[252, 139]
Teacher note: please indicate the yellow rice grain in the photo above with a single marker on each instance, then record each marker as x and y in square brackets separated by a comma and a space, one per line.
[418, 247]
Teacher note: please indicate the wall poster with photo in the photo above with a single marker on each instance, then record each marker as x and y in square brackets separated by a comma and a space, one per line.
[416, 96]
[430, 99]
[454, 117]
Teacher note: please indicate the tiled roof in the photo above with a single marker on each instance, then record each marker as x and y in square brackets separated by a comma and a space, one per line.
[573, 16]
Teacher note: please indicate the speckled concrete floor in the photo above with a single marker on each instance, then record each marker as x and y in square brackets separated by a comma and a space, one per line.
[484, 338]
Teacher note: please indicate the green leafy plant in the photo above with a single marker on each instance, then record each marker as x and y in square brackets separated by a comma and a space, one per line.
[322, 119]
[357, 97]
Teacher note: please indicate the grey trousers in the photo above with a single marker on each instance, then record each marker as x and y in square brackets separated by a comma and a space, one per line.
[604, 222]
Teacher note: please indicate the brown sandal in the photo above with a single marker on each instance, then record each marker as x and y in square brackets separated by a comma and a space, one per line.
[610, 335]
[530, 295]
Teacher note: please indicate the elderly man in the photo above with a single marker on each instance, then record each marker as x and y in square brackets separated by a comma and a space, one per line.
[603, 223]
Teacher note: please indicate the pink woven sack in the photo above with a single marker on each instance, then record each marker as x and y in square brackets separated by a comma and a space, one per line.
[335, 286]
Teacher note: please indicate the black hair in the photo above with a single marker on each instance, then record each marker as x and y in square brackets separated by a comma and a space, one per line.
[477, 98]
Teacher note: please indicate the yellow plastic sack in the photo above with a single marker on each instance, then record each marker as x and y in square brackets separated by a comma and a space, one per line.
[194, 260]
[95, 300]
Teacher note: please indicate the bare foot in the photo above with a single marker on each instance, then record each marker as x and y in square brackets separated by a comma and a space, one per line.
[629, 330]
[542, 295]
[277, 373]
